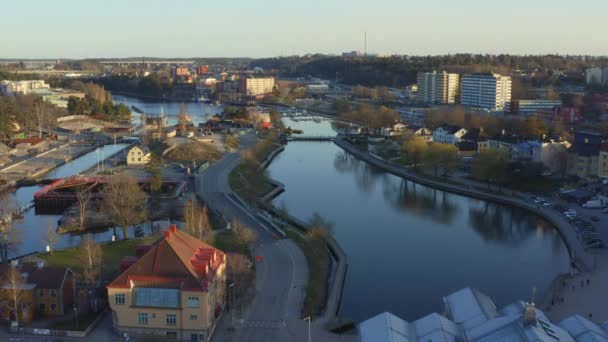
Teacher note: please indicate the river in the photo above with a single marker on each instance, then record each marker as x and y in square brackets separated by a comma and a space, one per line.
[199, 112]
[32, 228]
[410, 245]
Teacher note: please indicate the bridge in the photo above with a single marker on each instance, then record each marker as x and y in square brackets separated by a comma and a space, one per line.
[312, 138]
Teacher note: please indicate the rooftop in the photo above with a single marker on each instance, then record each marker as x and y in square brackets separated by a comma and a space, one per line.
[472, 316]
[177, 261]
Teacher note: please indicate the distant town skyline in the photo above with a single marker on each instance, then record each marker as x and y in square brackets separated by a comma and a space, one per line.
[240, 28]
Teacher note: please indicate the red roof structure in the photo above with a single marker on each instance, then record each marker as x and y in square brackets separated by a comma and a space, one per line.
[177, 261]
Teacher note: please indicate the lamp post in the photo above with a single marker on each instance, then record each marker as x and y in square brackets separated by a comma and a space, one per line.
[308, 319]
[231, 286]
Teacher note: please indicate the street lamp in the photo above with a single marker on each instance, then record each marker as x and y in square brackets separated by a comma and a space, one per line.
[231, 286]
[308, 319]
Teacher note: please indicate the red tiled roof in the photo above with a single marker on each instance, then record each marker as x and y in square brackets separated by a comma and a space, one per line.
[176, 261]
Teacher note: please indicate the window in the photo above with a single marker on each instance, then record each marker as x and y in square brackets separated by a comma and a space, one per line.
[171, 319]
[119, 298]
[53, 307]
[53, 293]
[193, 317]
[193, 302]
[142, 318]
[41, 293]
[42, 307]
[172, 335]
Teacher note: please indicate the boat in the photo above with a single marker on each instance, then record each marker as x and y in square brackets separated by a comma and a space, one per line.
[137, 110]
[204, 99]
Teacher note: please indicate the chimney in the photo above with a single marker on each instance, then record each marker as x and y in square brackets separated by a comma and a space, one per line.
[530, 314]
[173, 228]
[167, 234]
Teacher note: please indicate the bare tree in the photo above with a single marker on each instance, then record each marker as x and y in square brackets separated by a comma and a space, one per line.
[10, 237]
[90, 254]
[51, 237]
[84, 197]
[13, 285]
[197, 221]
[243, 234]
[39, 111]
[125, 202]
[183, 120]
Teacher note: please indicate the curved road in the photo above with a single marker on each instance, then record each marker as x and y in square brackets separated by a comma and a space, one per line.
[281, 275]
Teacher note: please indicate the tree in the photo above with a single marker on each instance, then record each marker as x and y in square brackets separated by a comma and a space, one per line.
[40, 109]
[232, 142]
[10, 237]
[534, 127]
[197, 222]
[90, 256]
[491, 166]
[183, 120]
[13, 289]
[413, 150]
[125, 202]
[50, 238]
[243, 234]
[441, 157]
[83, 198]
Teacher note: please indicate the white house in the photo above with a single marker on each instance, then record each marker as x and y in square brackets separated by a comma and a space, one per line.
[448, 134]
[138, 155]
[422, 132]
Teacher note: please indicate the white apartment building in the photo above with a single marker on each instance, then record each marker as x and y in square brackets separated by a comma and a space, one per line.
[593, 76]
[256, 86]
[486, 91]
[438, 87]
[12, 88]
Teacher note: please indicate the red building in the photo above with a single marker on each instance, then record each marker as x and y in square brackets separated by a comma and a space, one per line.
[202, 70]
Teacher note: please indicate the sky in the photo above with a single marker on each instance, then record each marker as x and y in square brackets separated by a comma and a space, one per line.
[264, 28]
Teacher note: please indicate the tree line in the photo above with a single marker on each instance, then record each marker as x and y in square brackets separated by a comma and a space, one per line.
[399, 71]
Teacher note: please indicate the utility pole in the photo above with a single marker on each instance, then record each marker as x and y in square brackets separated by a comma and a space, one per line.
[364, 44]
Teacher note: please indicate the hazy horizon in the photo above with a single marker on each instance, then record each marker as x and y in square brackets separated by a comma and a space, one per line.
[115, 29]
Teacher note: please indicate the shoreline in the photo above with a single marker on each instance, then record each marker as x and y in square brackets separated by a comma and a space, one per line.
[565, 230]
[337, 276]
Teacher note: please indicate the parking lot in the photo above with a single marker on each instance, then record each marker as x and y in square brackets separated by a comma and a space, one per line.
[590, 223]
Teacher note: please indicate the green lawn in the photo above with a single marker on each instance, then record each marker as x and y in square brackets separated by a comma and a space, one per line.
[113, 252]
[318, 271]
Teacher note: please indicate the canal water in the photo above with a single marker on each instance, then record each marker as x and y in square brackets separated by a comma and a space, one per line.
[33, 227]
[410, 245]
[199, 112]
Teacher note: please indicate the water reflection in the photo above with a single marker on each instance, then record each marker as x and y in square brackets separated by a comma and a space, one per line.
[410, 244]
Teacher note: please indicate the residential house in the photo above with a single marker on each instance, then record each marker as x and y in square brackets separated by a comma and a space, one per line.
[422, 132]
[46, 291]
[138, 155]
[396, 130]
[175, 290]
[583, 155]
[507, 142]
[470, 140]
[448, 134]
[470, 315]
